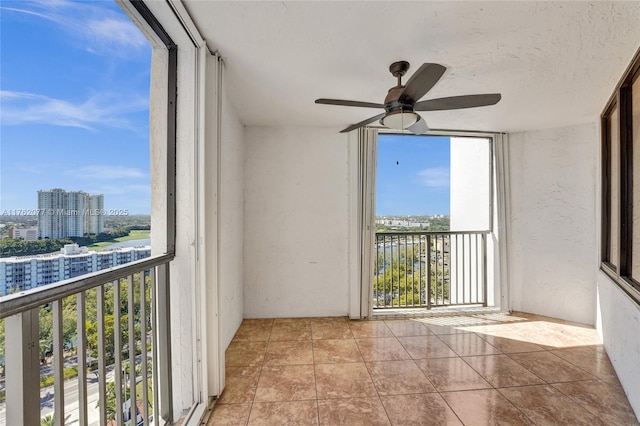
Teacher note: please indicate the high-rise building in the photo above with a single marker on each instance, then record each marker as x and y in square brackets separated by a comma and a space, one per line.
[94, 214]
[65, 214]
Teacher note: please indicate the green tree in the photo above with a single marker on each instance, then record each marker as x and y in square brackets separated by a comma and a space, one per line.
[51, 421]
[401, 269]
[394, 274]
[14, 247]
[48, 421]
[92, 338]
[111, 392]
[110, 406]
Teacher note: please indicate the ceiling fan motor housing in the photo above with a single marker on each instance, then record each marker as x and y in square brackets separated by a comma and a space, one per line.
[393, 102]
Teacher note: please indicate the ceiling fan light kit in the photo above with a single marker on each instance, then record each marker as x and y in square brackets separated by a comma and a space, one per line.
[400, 120]
[401, 101]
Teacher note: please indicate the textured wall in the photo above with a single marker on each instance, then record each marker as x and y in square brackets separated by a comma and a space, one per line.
[553, 249]
[619, 325]
[231, 229]
[296, 222]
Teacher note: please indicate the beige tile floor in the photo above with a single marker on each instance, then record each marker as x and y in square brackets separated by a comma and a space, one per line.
[491, 369]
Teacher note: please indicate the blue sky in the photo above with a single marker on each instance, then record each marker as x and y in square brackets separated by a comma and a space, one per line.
[74, 115]
[412, 175]
[74, 103]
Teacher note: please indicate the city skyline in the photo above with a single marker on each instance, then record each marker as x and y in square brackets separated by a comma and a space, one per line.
[75, 94]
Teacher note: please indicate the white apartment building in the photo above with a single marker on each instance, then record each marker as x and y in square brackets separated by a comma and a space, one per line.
[26, 272]
[407, 223]
[94, 214]
[69, 213]
[27, 234]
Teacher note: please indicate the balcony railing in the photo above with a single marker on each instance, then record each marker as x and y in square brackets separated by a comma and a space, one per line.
[427, 269]
[111, 328]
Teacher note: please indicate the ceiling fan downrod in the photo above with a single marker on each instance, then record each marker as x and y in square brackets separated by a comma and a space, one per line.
[399, 69]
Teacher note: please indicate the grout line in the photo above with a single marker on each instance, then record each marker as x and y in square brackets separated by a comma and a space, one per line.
[584, 369]
[372, 381]
[493, 387]
[437, 390]
[315, 377]
[515, 406]
[264, 358]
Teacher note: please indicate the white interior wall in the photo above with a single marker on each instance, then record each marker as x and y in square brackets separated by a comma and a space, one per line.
[470, 172]
[295, 222]
[618, 324]
[553, 237]
[231, 226]
[470, 184]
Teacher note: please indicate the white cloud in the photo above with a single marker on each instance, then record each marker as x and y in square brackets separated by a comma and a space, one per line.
[101, 30]
[106, 109]
[116, 31]
[436, 177]
[105, 172]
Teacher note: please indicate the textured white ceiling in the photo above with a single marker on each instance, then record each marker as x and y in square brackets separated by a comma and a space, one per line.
[555, 63]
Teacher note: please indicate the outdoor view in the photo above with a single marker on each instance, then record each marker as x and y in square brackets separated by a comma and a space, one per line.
[418, 251]
[75, 185]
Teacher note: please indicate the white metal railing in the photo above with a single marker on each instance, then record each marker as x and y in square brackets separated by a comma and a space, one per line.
[112, 327]
[426, 269]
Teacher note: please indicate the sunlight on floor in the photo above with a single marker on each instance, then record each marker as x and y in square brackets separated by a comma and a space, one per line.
[517, 369]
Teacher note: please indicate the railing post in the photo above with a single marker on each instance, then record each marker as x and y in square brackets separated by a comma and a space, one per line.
[58, 363]
[429, 270]
[164, 342]
[117, 345]
[102, 369]
[484, 269]
[23, 368]
[132, 351]
[81, 356]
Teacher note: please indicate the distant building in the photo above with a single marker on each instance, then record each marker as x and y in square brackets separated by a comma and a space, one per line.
[27, 234]
[94, 214]
[65, 214]
[406, 223]
[27, 272]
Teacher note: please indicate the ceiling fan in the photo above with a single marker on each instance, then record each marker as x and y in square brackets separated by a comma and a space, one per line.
[402, 101]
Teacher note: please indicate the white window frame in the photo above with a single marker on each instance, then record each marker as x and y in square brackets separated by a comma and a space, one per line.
[189, 199]
[363, 156]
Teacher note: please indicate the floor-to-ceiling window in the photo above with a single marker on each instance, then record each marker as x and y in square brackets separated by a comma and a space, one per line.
[620, 249]
[75, 124]
[433, 213]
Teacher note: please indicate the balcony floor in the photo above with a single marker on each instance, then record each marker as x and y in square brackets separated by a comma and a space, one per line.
[482, 369]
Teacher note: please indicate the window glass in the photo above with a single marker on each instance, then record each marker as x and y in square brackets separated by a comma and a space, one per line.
[413, 183]
[614, 209]
[635, 105]
[75, 167]
[433, 183]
